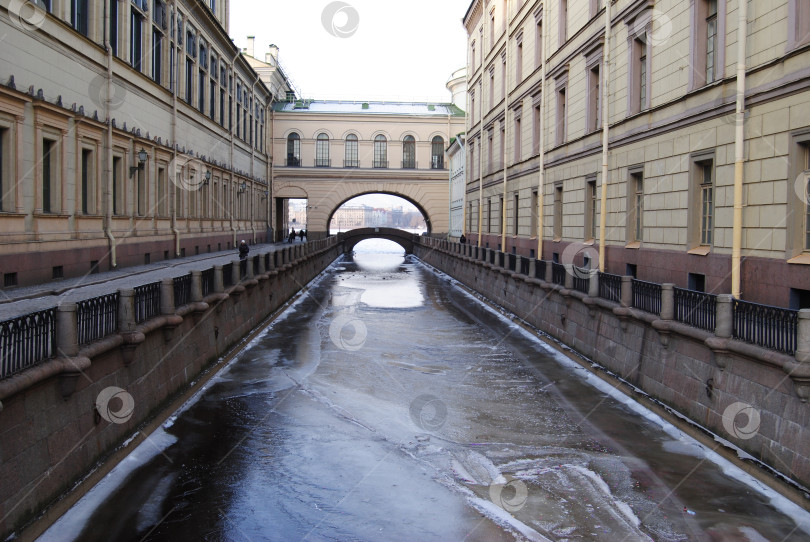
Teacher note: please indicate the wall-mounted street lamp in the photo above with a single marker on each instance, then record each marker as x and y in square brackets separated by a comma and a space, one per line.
[142, 158]
[242, 188]
[207, 177]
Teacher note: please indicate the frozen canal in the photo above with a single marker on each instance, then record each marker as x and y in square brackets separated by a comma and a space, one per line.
[389, 405]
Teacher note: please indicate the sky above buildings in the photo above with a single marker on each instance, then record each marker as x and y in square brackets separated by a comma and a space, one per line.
[359, 49]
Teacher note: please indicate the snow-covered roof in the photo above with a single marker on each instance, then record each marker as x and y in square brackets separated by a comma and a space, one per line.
[370, 108]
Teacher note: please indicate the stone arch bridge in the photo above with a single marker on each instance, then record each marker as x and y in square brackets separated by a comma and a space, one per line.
[401, 237]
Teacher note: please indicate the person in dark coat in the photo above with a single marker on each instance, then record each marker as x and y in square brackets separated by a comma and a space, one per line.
[243, 250]
[462, 239]
[291, 238]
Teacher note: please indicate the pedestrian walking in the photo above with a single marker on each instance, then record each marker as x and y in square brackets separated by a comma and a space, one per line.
[243, 250]
[462, 239]
[291, 238]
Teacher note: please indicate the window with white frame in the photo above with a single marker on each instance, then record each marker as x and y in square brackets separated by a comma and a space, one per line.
[707, 42]
[351, 156]
[590, 209]
[380, 152]
[409, 152]
[322, 151]
[293, 149]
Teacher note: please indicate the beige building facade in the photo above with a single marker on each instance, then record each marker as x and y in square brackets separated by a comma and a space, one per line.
[329, 152]
[129, 133]
[609, 131]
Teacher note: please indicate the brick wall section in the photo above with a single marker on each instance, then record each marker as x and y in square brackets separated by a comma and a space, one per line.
[631, 347]
[48, 442]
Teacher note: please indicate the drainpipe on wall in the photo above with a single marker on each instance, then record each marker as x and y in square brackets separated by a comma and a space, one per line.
[505, 124]
[108, 166]
[271, 165]
[233, 108]
[252, 165]
[605, 133]
[480, 151]
[173, 172]
[739, 151]
[541, 144]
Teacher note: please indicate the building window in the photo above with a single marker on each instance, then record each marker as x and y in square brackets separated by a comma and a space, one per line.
[596, 7]
[708, 42]
[88, 174]
[409, 152]
[322, 151]
[113, 26]
[201, 76]
[563, 22]
[536, 127]
[492, 28]
[136, 40]
[471, 168]
[518, 153]
[157, 55]
[638, 74]
[117, 189]
[437, 153]
[519, 61]
[590, 209]
[490, 144]
[561, 105]
[515, 213]
[162, 195]
[80, 16]
[538, 43]
[594, 114]
[472, 57]
[380, 152]
[293, 149]
[351, 155]
[535, 214]
[491, 88]
[558, 211]
[50, 172]
[6, 187]
[702, 208]
[635, 205]
[472, 108]
[489, 215]
[798, 23]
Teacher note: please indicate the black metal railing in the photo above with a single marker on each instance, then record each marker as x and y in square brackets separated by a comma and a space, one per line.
[558, 273]
[293, 161]
[524, 266]
[243, 267]
[437, 162]
[512, 262]
[697, 309]
[323, 162]
[409, 164]
[582, 279]
[770, 327]
[380, 164]
[147, 302]
[97, 317]
[182, 290]
[256, 265]
[540, 269]
[351, 163]
[647, 296]
[26, 341]
[207, 281]
[610, 287]
[227, 275]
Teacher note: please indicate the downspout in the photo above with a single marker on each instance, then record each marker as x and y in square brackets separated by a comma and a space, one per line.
[271, 156]
[541, 144]
[108, 143]
[233, 108]
[450, 183]
[605, 133]
[176, 52]
[505, 124]
[739, 152]
[252, 165]
[481, 153]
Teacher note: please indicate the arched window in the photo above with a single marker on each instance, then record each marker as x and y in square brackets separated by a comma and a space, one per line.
[293, 150]
[437, 153]
[380, 151]
[408, 153]
[351, 157]
[322, 151]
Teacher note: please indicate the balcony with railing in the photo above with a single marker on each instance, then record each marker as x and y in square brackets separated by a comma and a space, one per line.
[293, 161]
[351, 163]
[323, 162]
[381, 164]
[437, 162]
[409, 164]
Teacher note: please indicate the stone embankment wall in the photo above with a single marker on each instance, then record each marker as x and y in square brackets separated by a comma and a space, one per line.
[751, 396]
[60, 417]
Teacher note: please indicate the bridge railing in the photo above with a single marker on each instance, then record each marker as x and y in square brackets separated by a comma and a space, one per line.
[774, 328]
[31, 339]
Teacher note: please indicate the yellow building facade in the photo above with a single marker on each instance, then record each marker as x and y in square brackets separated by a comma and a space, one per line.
[130, 132]
[645, 137]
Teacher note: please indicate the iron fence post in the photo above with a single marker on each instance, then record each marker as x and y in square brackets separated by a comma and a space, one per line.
[67, 330]
[803, 337]
[725, 316]
[667, 301]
